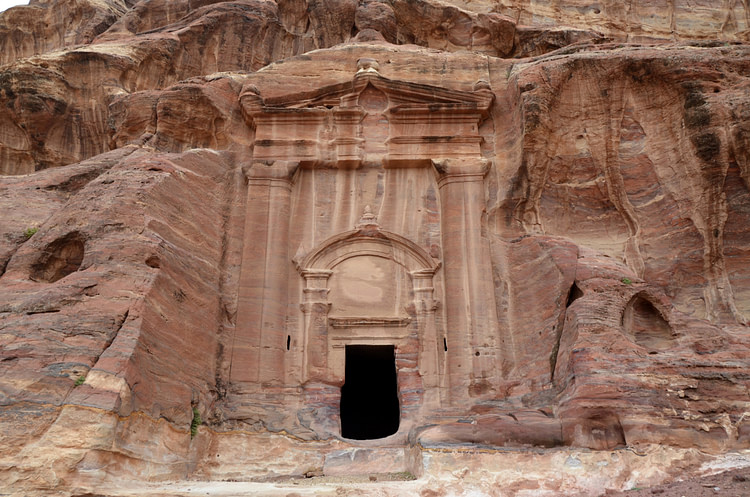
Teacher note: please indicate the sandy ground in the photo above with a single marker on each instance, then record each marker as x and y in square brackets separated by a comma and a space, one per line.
[728, 484]
[318, 486]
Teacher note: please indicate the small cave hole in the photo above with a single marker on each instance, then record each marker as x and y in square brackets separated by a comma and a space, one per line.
[574, 294]
[59, 258]
[288, 342]
[153, 261]
[645, 324]
[445, 344]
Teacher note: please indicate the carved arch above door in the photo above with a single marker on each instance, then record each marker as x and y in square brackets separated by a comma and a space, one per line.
[364, 286]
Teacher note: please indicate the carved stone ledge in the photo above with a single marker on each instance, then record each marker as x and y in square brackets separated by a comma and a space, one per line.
[360, 322]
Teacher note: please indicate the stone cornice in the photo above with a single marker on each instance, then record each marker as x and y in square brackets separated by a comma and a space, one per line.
[337, 125]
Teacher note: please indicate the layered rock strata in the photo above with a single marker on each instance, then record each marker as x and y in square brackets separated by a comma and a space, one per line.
[539, 209]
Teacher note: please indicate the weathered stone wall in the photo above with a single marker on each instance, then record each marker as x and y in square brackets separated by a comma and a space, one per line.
[581, 274]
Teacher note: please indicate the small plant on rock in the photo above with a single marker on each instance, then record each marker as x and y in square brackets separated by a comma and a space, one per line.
[404, 475]
[627, 281]
[80, 380]
[29, 232]
[195, 423]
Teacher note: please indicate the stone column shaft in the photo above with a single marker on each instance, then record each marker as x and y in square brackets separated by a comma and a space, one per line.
[315, 339]
[471, 322]
[260, 339]
[430, 345]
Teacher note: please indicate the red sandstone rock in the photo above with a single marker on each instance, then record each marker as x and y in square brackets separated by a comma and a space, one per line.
[555, 246]
[49, 25]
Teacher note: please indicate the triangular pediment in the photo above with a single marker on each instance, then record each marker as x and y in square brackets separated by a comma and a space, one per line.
[399, 93]
[370, 118]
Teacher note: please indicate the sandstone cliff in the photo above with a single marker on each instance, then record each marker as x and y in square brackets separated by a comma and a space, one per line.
[562, 190]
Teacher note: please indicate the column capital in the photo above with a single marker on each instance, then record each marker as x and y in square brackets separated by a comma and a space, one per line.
[270, 172]
[424, 274]
[460, 170]
[316, 287]
[315, 274]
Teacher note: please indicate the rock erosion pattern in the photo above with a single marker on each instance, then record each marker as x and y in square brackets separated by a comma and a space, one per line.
[534, 212]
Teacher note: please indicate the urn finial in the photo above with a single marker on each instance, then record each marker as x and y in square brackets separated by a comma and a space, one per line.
[367, 219]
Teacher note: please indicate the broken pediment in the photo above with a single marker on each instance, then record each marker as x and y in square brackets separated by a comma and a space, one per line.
[366, 120]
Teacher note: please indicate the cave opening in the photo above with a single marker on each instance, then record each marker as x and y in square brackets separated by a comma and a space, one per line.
[574, 294]
[646, 325]
[59, 258]
[369, 396]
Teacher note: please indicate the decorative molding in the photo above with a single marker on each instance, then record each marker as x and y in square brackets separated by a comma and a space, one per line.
[327, 127]
[357, 322]
[369, 240]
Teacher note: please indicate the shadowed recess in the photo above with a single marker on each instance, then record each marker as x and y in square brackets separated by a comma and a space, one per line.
[59, 258]
[369, 397]
[574, 294]
[645, 324]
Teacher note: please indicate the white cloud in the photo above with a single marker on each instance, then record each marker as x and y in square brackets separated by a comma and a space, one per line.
[6, 4]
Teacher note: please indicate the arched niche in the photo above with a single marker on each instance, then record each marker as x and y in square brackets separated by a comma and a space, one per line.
[370, 277]
[373, 241]
[367, 284]
[645, 324]
[59, 258]
[370, 272]
[367, 287]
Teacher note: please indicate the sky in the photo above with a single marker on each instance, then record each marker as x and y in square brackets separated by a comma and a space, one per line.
[6, 4]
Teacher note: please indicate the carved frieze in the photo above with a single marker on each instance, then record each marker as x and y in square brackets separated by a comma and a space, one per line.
[369, 119]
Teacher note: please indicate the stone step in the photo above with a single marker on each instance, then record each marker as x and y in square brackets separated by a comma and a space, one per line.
[373, 461]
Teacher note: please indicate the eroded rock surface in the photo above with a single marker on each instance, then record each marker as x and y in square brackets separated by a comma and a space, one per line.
[538, 209]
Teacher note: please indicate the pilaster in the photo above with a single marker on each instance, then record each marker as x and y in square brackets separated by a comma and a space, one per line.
[260, 337]
[431, 360]
[315, 308]
[471, 320]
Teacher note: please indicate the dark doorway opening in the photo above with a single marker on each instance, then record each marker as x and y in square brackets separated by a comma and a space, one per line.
[369, 397]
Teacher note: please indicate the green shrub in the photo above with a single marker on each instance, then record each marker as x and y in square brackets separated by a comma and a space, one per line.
[195, 423]
[80, 380]
[29, 232]
[627, 281]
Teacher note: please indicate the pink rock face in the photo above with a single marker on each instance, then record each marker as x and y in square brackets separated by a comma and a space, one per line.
[233, 211]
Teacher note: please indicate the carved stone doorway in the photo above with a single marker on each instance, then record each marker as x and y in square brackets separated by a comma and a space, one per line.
[369, 396]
